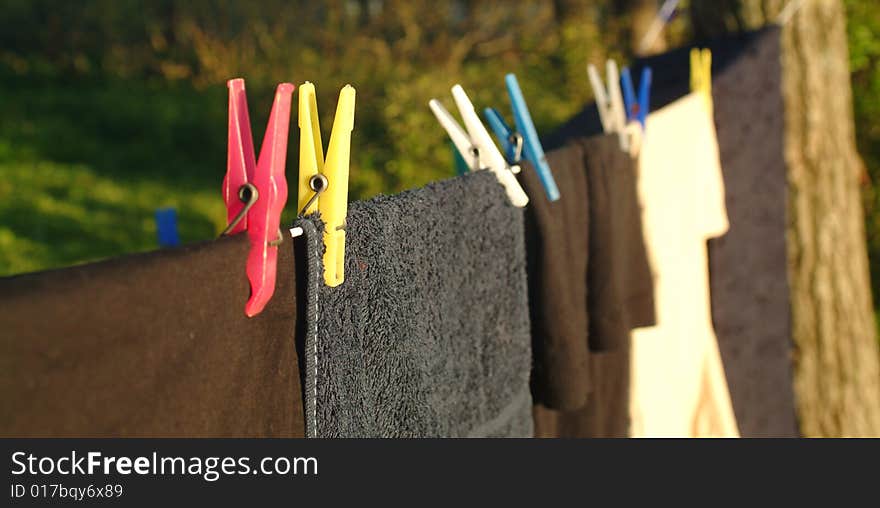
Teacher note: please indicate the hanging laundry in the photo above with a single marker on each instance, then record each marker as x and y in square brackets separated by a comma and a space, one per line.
[429, 334]
[751, 304]
[150, 345]
[589, 284]
[678, 384]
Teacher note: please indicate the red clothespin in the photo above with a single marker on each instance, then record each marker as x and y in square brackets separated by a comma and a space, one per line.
[256, 191]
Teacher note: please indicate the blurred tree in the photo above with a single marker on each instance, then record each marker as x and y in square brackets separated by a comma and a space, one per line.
[837, 365]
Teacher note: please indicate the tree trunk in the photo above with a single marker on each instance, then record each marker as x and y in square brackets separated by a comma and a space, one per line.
[837, 363]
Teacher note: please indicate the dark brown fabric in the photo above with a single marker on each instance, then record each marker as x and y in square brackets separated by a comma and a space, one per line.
[633, 270]
[605, 315]
[620, 285]
[606, 412]
[150, 345]
[589, 283]
[556, 253]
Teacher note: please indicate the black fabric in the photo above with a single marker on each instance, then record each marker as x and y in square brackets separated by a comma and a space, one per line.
[429, 334]
[557, 249]
[590, 283]
[153, 345]
[751, 305]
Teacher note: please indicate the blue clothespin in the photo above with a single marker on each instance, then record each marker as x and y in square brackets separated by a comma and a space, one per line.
[511, 143]
[166, 227]
[525, 141]
[637, 110]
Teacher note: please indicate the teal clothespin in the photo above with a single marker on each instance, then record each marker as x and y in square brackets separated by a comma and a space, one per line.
[511, 142]
[461, 166]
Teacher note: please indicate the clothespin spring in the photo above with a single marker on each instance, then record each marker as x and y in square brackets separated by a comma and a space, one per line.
[317, 183]
[516, 140]
[248, 194]
[476, 153]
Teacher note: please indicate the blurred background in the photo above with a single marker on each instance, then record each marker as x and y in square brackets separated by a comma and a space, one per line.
[113, 108]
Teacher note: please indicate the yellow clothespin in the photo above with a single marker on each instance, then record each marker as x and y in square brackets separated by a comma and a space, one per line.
[323, 183]
[311, 151]
[701, 74]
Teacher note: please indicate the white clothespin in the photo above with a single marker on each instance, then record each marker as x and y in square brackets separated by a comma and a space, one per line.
[459, 137]
[609, 102]
[477, 147]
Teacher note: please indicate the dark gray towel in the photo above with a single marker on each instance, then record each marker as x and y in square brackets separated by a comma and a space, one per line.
[429, 334]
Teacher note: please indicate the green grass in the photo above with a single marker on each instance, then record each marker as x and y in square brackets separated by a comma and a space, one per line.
[56, 214]
[83, 168]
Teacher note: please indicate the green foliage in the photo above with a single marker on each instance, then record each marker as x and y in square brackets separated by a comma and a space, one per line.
[864, 46]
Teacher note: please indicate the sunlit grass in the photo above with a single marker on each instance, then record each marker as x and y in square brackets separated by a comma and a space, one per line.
[54, 215]
[83, 169]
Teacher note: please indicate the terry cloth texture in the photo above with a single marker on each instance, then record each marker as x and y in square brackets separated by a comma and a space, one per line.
[429, 334]
[748, 266]
[150, 345]
[589, 284]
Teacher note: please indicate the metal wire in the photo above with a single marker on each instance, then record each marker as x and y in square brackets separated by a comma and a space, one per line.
[517, 140]
[248, 195]
[318, 183]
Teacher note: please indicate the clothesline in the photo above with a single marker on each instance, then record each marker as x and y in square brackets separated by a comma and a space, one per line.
[518, 324]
